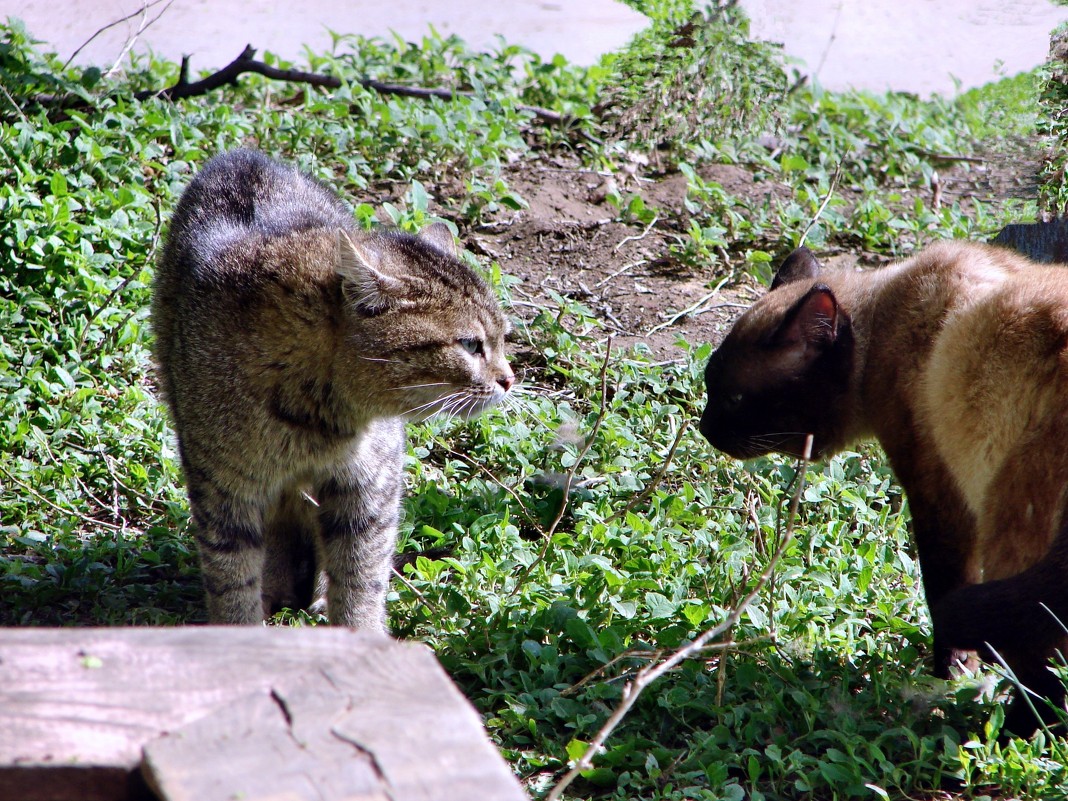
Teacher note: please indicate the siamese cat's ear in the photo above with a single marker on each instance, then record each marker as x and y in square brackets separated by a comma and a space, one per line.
[812, 324]
[359, 263]
[798, 266]
[439, 235]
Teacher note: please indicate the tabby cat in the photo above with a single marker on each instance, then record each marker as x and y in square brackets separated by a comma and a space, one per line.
[291, 348]
[956, 360]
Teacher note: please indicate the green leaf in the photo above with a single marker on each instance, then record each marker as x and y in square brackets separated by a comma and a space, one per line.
[697, 614]
[659, 606]
[793, 163]
[576, 749]
[419, 200]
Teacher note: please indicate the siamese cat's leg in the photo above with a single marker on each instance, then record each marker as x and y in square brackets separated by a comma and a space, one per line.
[1020, 620]
[944, 531]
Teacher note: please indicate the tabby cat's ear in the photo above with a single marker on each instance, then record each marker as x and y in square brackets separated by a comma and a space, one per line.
[439, 235]
[812, 324]
[365, 285]
[798, 266]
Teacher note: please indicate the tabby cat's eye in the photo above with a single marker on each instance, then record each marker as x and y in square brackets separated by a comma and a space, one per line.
[471, 345]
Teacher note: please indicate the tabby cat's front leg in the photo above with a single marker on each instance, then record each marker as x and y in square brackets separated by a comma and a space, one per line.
[229, 535]
[359, 507]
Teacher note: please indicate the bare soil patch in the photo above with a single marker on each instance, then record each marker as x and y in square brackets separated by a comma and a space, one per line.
[570, 241]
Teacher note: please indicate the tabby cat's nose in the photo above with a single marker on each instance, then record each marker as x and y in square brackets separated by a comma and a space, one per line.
[507, 381]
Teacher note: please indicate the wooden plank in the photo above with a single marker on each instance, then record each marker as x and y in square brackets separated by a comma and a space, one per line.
[254, 750]
[1041, 241]
[223, 712]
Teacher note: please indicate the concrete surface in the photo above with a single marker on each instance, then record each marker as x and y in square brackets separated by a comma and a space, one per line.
[920, 46]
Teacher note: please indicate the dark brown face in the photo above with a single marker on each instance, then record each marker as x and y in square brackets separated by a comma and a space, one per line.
[782, 373]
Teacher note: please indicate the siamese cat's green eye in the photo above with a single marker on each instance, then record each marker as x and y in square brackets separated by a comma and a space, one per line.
[471, 345]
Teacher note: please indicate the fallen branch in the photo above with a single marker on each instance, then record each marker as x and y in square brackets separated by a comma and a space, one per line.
[247, 63]
[651, 673]
[228, 75]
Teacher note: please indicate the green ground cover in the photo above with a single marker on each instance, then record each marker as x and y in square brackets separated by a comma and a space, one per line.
[825, 694]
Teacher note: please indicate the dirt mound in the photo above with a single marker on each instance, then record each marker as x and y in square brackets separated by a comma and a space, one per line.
[569, 241]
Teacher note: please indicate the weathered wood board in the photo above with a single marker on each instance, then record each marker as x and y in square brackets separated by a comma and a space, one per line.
[220, 713]
[1042, 241]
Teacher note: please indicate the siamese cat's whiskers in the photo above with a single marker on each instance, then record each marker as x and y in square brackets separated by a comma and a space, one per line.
[956, 361]
[776, 439]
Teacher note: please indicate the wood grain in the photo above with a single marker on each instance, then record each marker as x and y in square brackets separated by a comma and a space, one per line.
[221, 713]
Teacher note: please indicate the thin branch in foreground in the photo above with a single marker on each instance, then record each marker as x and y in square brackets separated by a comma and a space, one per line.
[489, 474]
[149, 259]
[146, 23]
[702, 642]
[835, 178]
[586, 447]
[73, 512]
[14, 105]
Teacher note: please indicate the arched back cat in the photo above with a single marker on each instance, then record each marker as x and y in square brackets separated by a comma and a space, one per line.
[956, 361]
[291, 348]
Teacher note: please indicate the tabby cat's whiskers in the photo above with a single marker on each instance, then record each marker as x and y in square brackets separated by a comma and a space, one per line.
[276, 387]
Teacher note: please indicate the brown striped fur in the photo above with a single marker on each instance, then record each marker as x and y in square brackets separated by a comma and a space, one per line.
[291, 348]
[956, 361]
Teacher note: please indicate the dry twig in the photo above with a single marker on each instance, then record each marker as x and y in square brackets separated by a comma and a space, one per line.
[655, 482]
[835, 178]
[149, 258]
[49, 502]
[640, 236]
[693, 309]
[586, 447]
[143, 11]
[489, 474]
[703, 642]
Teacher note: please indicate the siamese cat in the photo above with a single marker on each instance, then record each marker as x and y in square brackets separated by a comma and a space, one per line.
[956, 361]
[291, 348]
